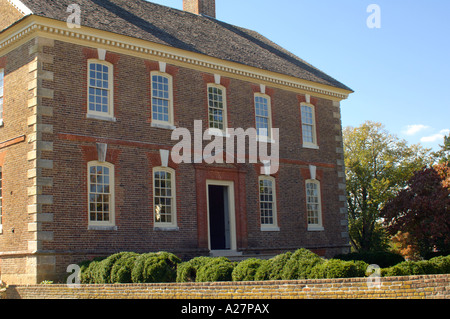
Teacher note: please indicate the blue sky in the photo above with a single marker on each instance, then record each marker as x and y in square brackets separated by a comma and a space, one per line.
[400, 72]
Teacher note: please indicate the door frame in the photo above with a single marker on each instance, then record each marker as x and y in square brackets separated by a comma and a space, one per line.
[231, 211]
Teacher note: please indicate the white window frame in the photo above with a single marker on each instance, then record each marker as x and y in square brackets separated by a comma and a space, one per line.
[308, 144]
[264, 138]
[213, 130]
[111, 222]
[108, 116]
[164, 225]
[2, 100]
[274, 225]
[319, 225]
[155, 122]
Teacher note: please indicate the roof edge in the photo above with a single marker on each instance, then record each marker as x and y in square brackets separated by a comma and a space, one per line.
[91, 37]
[21, 7]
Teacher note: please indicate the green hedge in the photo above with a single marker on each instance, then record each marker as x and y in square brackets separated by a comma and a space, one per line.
[205, 269]
[437, 265]
[122, 268]
[336, 268]
[272, 269]
[300, 265]
[187, 271]
[218, 270]
[381, 258]
[155, 268]
[246, 270]
[128, 267]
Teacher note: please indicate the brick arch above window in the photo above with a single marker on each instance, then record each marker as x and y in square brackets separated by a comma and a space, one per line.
[267, 90]
[306, 174]
[156, 66]
[154, 159]
[110, 57]
[211, 79]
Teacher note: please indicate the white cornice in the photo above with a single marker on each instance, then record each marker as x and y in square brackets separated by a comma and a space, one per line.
[21, 7]
[102, 39]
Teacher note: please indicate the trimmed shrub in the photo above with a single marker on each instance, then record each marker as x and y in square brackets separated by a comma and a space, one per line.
[122, 268]
[246, 270]
[218, 269]
[336, 268]
[155, 268]
[263, 272]
[432, 255]
[441, 264]
[437, 265]
[300, 264]
[381, 258]
[90, 271]
[187, 271]
[104, 275]
[272, 269]
[137, 274]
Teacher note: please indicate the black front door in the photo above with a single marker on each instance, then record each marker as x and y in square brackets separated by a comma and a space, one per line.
[219, 225]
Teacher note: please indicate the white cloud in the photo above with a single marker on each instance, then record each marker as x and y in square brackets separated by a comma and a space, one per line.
[414, 129]
[436, 137]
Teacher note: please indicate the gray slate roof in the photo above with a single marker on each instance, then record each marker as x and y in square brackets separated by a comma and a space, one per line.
[184, 30]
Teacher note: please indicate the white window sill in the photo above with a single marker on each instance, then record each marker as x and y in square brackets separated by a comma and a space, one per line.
[166, 228]
[91, 227]
[265, 139]
[101, 118]
[270, 229]
[315, 228]
[163, 126]
[217, 132]
[310, 146]
[1, 123]
[1, 229]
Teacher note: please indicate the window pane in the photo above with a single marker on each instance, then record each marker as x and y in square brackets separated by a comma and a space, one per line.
[266, 201]
[307, 124]
[312, 203]
[160, 98]
[99, 193]
[216, 107]
[163, 196]
[98, 88]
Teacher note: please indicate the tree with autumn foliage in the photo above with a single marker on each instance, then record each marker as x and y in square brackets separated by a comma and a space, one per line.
[378, 165]
[422, 210]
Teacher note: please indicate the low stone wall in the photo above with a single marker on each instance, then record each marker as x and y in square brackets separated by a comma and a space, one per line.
[433, 286]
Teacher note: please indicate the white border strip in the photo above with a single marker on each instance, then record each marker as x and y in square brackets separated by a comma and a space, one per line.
[21, 7]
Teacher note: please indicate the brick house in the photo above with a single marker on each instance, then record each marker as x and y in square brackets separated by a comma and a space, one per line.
[90, 95]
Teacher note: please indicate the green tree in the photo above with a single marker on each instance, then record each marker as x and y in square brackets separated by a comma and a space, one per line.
[378, 165]
[443, 155]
